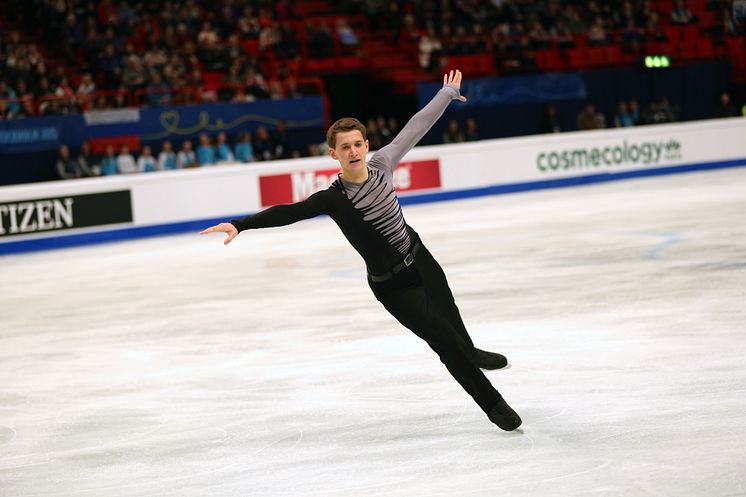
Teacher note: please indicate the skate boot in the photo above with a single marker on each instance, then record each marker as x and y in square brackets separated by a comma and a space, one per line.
[489, 360]
[504, 416]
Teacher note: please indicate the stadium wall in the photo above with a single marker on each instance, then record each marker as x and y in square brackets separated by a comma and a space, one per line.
[92, 210]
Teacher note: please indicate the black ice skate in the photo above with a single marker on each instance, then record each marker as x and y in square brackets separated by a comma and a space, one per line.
[504, 416]
[489, 360]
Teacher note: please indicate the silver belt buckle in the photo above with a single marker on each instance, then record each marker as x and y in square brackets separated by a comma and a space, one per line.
[409, 259]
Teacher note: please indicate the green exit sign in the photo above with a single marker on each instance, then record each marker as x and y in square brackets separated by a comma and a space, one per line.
[657, 61]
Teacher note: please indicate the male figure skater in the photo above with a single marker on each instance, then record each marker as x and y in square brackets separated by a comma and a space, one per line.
[402, 273]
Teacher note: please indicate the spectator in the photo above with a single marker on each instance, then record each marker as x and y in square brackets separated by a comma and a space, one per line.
[681, 13]
[88, 162]
[146, 163]
[472, 133]
[590, 119]
[453, 134]
[244, 150]
[725, 108]
[374, 137]
[86, 86]
[622, 118]
[263, 149]
[158, 92]
[67, 167]
[8, 94]
[4, 112]
[550, 122]
[347, 37]
[186, 157]
[384, 131]
[320, 41]
[597, 33]
[126, 161]
[167, 157]
[109, 162]
[222, 149]
[205, 151]
[429, 47]
[393, 126]
[669, 113]
[634, 112]
[280, 142]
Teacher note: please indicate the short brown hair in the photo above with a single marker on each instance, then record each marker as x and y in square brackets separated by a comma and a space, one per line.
[342, 126]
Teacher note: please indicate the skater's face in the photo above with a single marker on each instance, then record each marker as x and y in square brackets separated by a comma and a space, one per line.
[350, 151]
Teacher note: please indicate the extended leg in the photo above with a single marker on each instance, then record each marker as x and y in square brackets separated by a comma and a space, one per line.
[412, 308]
[438, 291]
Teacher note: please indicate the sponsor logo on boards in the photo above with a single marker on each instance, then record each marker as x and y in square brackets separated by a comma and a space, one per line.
[296, 186]
[621, 154]
[60, 213]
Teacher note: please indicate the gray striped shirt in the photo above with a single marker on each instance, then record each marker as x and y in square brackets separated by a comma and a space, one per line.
[376, 198]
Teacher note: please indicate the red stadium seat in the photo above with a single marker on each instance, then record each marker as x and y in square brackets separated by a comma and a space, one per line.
[614, 55]
[548, 60]
[687, 49]
[705, 49]
[577, 58]
[251, 47]
[673, 33]
[485, 64]
[596, 56]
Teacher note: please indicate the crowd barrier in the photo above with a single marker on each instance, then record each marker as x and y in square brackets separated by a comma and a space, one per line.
[74, 212]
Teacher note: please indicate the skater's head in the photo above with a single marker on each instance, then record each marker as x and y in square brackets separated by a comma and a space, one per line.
[348, 143]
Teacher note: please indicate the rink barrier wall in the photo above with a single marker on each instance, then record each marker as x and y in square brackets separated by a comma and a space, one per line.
[187, 201]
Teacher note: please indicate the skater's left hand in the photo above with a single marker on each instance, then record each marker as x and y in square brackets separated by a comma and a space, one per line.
[454, 79]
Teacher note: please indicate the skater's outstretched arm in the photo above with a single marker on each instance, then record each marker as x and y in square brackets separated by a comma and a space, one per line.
[277, 215]
[420, 123]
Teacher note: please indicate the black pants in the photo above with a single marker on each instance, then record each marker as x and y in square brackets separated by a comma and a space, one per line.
[419, 298]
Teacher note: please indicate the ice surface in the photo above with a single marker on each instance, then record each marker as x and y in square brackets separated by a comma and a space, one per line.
[179, 367]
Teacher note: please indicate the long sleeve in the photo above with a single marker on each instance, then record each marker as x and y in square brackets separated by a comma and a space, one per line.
[282, 215]
[418, 125]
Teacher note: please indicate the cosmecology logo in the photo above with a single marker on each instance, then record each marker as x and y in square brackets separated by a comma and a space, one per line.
[623, 154]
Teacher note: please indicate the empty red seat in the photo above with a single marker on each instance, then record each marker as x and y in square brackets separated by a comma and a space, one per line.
[577, 58]
[705, 49]
[597, 56]
[548, 60]
[251, 47]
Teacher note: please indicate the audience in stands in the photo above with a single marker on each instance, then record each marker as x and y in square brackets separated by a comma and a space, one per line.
[725, 108]
[453, 133]
[167, 157]
[186, 157]
[472, 132]
[244, 149]
[109, 162]
[126, 161]
[146, 163]
[550, 122]
[111, 54]
[67, 166]
[590, 118]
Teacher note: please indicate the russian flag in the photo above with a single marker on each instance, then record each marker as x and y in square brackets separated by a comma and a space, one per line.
[113, 127]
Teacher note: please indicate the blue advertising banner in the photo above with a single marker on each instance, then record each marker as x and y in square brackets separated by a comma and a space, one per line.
[513, 90]
[39, 134]
[191, 120]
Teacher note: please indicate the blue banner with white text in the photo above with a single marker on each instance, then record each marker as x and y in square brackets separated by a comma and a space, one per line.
[189, 121]
[513, 90]
[39, 134]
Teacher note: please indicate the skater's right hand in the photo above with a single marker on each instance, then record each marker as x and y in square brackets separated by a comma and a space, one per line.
[223, 228]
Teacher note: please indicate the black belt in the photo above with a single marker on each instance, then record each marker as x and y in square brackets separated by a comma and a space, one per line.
[406, 262]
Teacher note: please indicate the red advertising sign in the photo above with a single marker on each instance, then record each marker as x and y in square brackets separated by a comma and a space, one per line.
[293, 187]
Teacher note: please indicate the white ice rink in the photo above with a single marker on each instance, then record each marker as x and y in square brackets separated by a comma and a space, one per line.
[179, 367]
